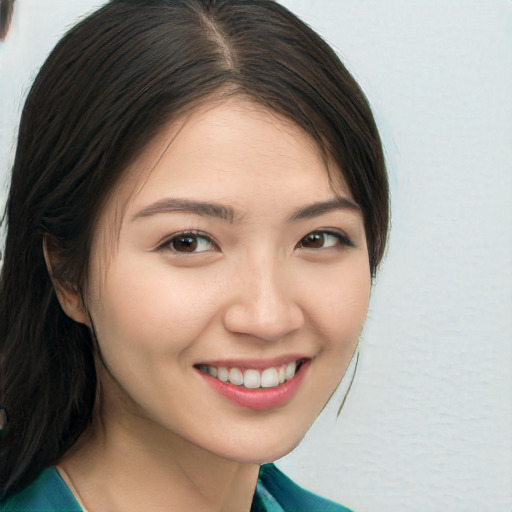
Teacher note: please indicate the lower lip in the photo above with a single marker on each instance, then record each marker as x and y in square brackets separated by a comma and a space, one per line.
[260, 399]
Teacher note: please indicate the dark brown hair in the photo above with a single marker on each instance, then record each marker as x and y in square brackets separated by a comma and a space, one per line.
[6, 12]
[105, 91]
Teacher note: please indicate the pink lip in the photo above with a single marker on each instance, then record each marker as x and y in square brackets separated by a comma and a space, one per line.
[258, 399]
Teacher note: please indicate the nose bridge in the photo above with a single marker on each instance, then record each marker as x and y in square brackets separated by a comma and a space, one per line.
[264, 303]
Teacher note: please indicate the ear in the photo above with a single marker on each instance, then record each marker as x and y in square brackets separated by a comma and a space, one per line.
[68, 295]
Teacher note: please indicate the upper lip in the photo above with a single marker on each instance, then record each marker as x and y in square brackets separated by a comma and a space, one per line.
[257, 364]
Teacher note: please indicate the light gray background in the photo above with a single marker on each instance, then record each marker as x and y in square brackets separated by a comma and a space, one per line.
[428, 424]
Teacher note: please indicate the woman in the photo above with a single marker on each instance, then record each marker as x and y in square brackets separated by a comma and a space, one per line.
[198, 205]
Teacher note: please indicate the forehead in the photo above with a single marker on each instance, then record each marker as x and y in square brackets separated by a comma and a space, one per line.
[224, 148]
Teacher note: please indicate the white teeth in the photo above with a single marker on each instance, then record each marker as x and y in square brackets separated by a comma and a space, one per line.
[236, 376]
[222, 374]
[269, 378]
[252, 379]
[290, 370]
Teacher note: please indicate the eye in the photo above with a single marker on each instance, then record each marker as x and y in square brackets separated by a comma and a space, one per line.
[189, 242]
[324, 240]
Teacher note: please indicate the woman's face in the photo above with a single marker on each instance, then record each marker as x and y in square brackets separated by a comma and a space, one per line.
[231, 300]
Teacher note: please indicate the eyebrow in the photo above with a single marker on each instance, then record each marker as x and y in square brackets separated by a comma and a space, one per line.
[203, 208]
[317, 209]
[229, 214]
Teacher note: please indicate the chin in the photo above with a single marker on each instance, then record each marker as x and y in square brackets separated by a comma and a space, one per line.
[266, 445]
[260, 454]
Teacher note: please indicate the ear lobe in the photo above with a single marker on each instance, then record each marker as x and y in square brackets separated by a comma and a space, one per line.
[68, 296]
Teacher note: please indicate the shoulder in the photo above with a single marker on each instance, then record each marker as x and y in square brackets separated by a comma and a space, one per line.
[48, 493]
[273, 485]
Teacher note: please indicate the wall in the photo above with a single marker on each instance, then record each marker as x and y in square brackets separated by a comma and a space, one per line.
[428, 423]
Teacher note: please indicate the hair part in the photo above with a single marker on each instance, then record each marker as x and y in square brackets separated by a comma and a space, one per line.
[109, 86]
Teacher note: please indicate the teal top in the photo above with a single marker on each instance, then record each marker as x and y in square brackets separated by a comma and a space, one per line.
[275, 492]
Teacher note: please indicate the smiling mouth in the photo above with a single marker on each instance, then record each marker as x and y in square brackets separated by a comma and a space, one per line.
[253, 378]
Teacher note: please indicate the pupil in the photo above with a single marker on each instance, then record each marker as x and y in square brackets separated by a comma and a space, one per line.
[185, 244]
[315, 240]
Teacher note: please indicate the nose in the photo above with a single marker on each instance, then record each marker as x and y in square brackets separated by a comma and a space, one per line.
[264, 303]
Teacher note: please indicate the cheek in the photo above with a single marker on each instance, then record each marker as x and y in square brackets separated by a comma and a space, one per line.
[150, 309]
[339, 302]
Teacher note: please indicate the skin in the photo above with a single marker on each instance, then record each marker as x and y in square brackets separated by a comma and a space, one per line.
[253, 288]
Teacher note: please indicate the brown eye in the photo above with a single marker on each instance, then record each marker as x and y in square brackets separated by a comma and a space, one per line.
[184, 243]
[313, 241]
[324, 240]
[190, 243]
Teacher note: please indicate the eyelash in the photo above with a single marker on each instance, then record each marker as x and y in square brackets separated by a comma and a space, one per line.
[342, 238]
[167, 244]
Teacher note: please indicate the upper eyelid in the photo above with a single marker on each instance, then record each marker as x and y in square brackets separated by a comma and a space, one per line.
[167, 239]
[340, 234]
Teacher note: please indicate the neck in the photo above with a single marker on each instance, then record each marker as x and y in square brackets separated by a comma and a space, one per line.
[127, 462]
